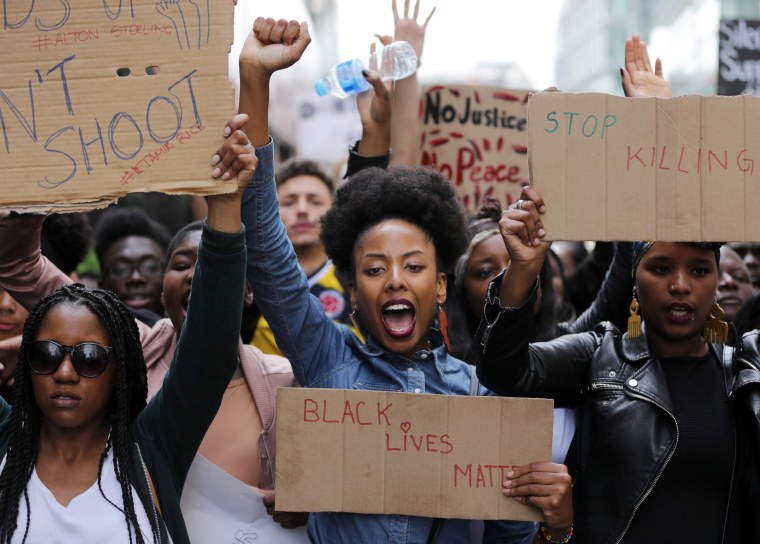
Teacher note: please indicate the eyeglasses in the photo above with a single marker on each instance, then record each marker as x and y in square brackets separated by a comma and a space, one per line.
[89, 359]
[147, 269]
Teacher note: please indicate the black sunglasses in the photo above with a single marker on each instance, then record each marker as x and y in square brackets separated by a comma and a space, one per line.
[89, 359]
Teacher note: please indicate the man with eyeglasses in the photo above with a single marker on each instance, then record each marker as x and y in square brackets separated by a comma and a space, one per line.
[131, 249]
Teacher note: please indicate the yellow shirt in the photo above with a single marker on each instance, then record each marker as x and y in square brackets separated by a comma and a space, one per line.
[324, 285]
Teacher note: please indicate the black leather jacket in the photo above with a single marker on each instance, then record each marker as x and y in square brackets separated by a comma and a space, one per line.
[626, 431]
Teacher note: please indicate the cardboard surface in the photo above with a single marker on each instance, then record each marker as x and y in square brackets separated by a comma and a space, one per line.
[614, 168]
[477, 137]
[400, 453]
[77, 131]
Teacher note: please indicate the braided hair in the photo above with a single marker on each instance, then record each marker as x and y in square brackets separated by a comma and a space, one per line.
[127, 400]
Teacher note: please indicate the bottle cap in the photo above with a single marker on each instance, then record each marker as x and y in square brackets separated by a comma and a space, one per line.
[321, 87]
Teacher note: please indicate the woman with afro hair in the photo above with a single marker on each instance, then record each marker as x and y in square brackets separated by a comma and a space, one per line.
[394, 233]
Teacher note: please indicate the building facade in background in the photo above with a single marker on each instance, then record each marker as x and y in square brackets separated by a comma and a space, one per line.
[684, 33]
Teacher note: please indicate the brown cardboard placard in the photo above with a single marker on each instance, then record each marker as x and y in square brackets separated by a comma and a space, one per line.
[614, 168]
[99, 98]
[342, 450]
[477, 137]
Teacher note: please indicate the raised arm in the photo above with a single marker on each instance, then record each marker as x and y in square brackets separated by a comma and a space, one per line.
[272, 45]
[304, 334]
[639, 80]
[522, 231]
[374, 108]
[374, 105]
[177, 417]
[24, 272]
[506, 361]
[405, 124]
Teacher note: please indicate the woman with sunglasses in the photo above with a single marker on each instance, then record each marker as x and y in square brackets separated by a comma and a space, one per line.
[80, 449]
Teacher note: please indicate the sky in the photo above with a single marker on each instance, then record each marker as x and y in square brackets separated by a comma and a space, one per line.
[461, 35]
[464, 33]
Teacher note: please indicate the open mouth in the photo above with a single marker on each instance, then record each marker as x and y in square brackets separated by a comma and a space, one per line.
[679, 312]
[398, 317]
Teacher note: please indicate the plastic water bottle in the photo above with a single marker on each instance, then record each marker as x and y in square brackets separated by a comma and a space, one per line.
[394, 61]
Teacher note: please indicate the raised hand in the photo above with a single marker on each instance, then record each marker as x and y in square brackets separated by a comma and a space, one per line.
[374, 108]
[522, 231]
[408, 29]
[547, 486]
[274, 45]
[236, 156]
[639, 80]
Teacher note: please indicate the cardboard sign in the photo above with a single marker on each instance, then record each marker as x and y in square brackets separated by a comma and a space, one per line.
[477, 137]
[99, 98]
[399, 453]
[614, 168]
[738, 57]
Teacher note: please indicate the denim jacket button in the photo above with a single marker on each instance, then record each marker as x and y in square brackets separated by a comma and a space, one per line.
[633, 383]
[612, 374]
[424, 356]
[417, 390]
[410, 369]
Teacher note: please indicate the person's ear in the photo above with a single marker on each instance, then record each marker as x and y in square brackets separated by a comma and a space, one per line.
[352, 295]
[248, 297]
[440, 289]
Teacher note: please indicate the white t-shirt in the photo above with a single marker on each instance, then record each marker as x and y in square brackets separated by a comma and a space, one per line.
[89, 517]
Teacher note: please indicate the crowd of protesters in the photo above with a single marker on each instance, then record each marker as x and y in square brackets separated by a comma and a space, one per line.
[125, 400]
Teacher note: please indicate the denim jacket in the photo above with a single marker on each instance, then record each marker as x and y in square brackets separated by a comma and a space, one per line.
[328, 355]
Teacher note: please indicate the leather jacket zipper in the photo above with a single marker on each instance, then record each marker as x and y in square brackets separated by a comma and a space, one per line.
[662, 467]
[728, 358]
[153, 506]
[595, 386]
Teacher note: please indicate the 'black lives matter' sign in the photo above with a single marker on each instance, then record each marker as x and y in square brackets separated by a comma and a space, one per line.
[739, 57]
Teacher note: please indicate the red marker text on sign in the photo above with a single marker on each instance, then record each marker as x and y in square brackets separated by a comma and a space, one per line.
[355, 414]
[687, 160]
[478, 476]
[430, 443]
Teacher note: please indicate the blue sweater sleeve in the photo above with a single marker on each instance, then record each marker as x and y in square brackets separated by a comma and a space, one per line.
[305, 335]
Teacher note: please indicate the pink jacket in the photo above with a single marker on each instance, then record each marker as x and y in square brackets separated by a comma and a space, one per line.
[28, 276]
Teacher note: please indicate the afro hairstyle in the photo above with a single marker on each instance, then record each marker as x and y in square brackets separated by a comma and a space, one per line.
[418, 195]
